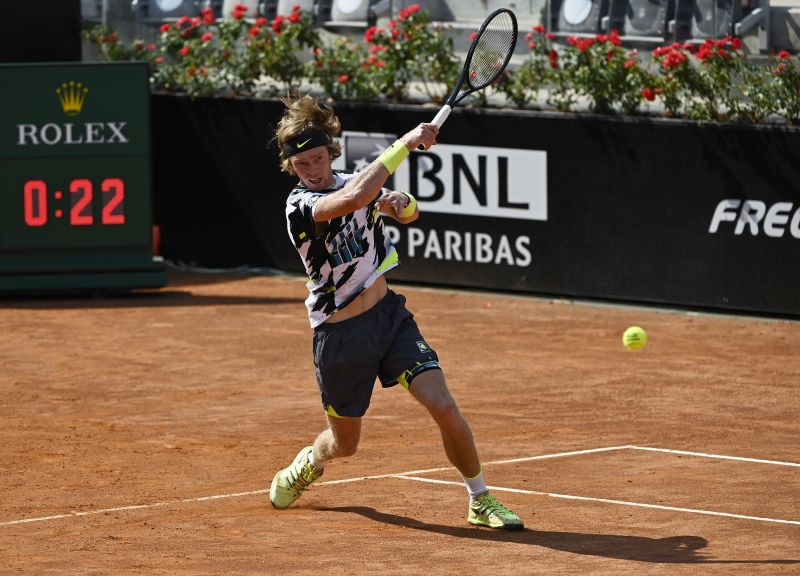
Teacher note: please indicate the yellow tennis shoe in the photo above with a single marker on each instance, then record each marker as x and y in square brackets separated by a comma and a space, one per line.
[289, 483]
[487, 511]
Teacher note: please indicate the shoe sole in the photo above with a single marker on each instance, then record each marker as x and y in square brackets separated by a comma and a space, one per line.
[508, 527]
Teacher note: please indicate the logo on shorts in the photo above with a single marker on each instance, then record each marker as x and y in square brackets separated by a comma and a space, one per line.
[424, 348]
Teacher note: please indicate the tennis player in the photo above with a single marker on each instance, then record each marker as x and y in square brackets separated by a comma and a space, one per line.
[362, 330]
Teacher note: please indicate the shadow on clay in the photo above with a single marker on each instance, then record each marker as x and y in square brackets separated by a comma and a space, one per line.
[674, 549]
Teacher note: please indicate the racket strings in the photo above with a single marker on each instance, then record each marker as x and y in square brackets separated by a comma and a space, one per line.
[492, 50]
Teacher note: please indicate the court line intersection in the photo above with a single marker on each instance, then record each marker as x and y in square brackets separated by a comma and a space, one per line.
[415, 476]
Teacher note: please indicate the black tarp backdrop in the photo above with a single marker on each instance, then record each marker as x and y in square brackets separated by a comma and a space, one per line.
[41, 31]
[630, 203]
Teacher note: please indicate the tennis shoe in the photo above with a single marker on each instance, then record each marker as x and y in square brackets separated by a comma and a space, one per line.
[485, 510]
[289, 483]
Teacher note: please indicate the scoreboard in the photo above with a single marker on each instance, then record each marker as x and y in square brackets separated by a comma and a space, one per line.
[75, 190]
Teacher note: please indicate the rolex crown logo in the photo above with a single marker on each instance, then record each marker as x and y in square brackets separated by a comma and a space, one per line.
[72, 96]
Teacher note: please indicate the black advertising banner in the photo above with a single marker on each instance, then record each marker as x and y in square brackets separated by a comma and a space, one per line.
[639, 210]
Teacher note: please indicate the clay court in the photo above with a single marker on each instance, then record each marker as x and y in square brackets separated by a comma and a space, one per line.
[141, 431]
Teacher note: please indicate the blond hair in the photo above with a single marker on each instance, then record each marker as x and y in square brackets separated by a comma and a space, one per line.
[303, 114]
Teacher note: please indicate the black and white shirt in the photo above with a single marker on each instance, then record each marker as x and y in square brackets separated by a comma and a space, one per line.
[345, 257]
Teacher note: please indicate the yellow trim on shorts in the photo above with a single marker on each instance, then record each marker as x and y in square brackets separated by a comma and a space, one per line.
[405, 378]
[331, 412]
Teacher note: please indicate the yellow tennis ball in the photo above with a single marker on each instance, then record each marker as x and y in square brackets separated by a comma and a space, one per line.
[634, 338]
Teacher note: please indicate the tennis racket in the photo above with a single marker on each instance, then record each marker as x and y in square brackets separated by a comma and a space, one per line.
[488, 56]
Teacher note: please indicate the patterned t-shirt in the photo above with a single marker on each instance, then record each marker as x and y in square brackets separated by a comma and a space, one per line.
[345, 257]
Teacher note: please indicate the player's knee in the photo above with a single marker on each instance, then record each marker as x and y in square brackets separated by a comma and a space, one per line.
[443, 408]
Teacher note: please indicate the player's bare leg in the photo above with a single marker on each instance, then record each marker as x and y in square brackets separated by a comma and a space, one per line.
[430, 389]
[339, 440]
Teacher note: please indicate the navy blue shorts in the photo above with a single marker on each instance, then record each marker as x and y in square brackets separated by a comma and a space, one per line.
[383, 342]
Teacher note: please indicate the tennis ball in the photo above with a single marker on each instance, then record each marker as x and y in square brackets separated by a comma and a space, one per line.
[634, 338]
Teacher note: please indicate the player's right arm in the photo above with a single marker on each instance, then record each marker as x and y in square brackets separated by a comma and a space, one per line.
[367, 184]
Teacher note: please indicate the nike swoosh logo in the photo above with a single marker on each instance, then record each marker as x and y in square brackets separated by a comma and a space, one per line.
[301, 144]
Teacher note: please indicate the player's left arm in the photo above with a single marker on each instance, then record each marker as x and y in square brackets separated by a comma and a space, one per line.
[398, 205]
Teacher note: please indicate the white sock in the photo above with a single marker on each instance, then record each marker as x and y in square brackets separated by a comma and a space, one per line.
[313, 461]
[475, 485]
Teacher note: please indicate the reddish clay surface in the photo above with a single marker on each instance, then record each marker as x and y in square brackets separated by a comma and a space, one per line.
[164, 399]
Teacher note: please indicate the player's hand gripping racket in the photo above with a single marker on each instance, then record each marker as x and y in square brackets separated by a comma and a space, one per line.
[488, 56]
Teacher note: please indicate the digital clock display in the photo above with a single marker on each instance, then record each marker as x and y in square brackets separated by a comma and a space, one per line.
[73, 203]
[81, 193]
[75, 175]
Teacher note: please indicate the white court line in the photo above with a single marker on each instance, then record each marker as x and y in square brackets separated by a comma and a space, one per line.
[410, 475]
[715, 456]
[607, 501]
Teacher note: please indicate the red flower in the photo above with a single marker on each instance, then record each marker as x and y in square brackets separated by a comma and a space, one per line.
[406, 12]
[736, 43]
[296, 8]
[343, 79]
[539, 28]
[159, 60]
[152, 47]
[704, 51]
[648, 94]
[369, 35]
[261, 21]
[183, 20]
[783, 55]
[165, 28]
[184, 51]
[553, 56]
[550, 36]
[294, 17]
[532, 44]
[254, 31]
[277, 24]
[630, 64]
[207, 15]
[207, 37]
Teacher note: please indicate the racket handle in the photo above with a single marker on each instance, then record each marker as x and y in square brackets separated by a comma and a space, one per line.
[442, 115]
[439, 119]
